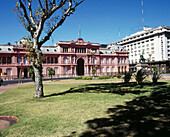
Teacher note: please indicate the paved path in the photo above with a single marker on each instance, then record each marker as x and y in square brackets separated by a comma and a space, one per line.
[8, 87]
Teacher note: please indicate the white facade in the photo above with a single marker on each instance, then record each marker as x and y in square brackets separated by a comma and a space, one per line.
[153, 42]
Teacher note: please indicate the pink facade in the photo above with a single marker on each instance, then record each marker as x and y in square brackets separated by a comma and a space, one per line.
[67, 58]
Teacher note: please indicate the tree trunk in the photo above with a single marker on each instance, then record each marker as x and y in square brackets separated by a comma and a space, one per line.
[37, 65]
[38, 82]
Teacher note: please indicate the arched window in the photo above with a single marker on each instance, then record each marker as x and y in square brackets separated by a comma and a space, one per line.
[118, 60]
[112, 60]
[47, 70]
[65, 70]
[65, 60]
[113, 69]
[107, 70]
[56, 70]
[101, 61]
[19, 60]
[94, 60]
[107, 61]
[25, 60]
[9, 71]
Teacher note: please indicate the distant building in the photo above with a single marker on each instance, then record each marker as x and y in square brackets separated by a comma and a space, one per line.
[68, 58]
[153, 42]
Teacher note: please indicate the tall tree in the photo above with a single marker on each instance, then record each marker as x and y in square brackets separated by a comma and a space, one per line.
[41, 18]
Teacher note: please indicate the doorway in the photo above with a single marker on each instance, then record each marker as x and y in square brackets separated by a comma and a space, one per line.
[25, 73]
[80, 67]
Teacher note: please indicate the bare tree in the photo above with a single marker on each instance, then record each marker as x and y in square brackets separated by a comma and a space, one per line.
[41, 18]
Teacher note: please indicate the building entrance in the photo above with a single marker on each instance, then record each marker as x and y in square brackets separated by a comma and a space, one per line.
[80, 67]
[25, 73]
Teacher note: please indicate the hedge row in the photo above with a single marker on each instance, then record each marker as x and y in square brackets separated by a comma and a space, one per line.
[83, 78]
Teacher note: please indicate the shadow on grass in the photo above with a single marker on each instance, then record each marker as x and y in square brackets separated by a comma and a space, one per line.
[115, 88]
[145, 116]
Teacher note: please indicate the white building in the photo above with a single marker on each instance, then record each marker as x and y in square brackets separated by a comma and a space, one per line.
[153, 42]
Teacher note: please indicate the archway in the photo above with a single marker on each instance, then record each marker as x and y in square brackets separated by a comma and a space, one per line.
[80, 67]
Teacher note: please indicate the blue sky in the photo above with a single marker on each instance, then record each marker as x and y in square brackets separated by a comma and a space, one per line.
[100, 20]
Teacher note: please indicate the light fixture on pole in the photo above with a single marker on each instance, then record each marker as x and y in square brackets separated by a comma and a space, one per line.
[150, 54]
[93, 71]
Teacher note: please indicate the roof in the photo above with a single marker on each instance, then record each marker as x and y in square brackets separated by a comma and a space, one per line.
[6, 48]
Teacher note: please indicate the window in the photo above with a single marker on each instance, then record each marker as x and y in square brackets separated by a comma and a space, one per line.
[72, 60]
[112, 69]
[65, 60]
[65, 49]
[88, 61]
[56, 70]
[48, 60]
[124, 60]
[94, 60]
[107, 69]
[25, 60]
[102, 69]
[113, 61]
[101, 61]
[9, 60]
[118, 60]
[107, 61]
[80, 50]
[19, 60]
[8, 71]
[56, 60]
[65, 70]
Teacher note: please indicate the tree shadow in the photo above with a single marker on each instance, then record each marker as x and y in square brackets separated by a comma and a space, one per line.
[146, 116]
[115, 88]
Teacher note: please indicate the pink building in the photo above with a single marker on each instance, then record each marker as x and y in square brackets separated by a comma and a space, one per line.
[68, 58]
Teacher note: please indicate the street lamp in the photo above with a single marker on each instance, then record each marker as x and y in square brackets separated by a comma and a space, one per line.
[150, 54]
[72, 69]
[93, 52]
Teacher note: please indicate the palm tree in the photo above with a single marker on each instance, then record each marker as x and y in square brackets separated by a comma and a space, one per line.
[140, 76]
[51, 72]
[156, 76]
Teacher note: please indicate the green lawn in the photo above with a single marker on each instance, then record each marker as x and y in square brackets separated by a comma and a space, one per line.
[75, 109]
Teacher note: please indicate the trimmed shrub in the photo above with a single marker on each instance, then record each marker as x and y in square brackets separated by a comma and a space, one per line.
[87, 78]
[112, 76]
[156, 76]
[78, 78]
[118, 75]
[104, 77]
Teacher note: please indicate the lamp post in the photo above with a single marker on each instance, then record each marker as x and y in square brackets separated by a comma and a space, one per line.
[93, 52]
[72, 70]
[150, 62]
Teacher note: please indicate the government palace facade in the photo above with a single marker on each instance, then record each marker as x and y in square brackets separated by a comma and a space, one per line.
[68, 58]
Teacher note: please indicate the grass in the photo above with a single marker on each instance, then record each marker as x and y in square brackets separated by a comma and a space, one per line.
[66, 109]
[80, 80]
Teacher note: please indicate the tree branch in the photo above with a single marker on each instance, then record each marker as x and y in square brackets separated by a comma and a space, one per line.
[46, 6]
[41, 5]
[30, 9]
[69, 11]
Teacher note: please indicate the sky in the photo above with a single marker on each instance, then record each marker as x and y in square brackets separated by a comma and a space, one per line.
[101, 21]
